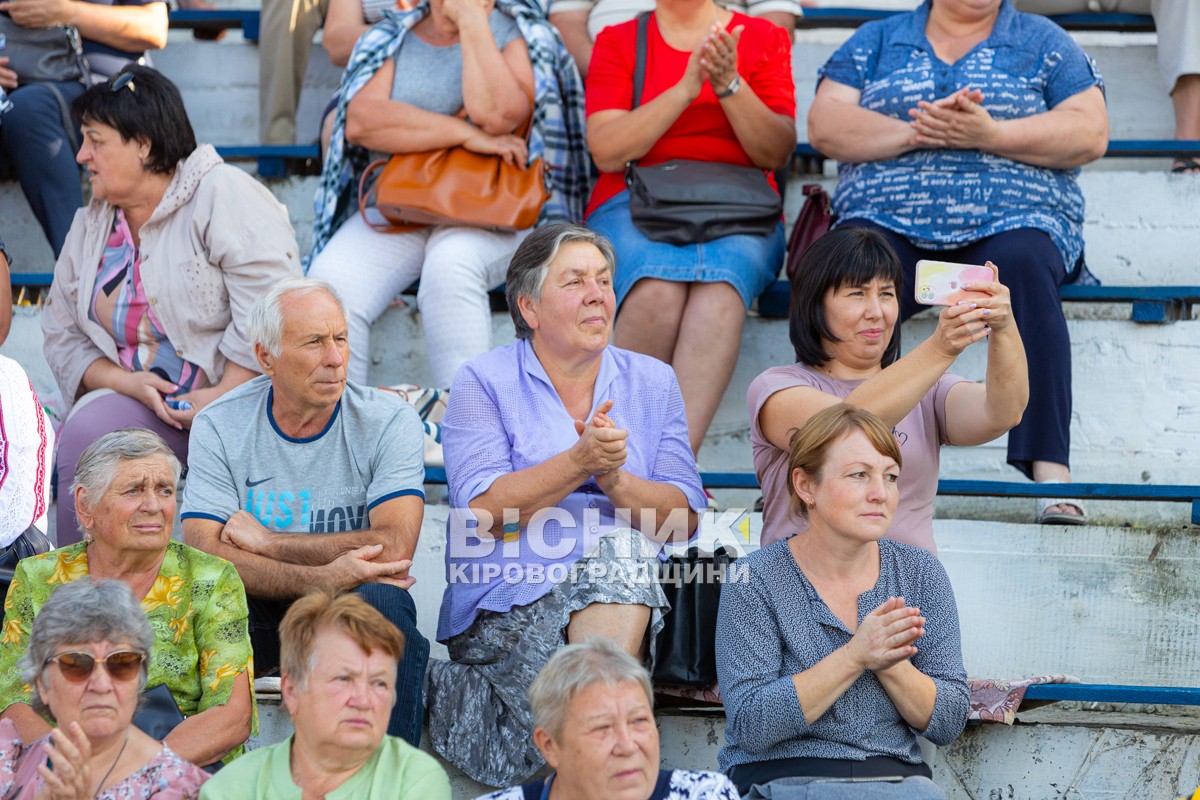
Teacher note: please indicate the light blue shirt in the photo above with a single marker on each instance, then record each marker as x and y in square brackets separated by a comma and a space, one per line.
[504, 416]
[944, 199]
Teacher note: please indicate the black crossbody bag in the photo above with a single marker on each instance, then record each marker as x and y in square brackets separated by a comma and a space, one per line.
[691, 202]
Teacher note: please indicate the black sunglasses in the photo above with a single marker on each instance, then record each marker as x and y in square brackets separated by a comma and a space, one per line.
[123, 665]
[120, 81]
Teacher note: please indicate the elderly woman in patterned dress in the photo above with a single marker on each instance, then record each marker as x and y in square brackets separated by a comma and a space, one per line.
[960, 128]
[841, 647]
[567, 461]
[87, 664]
[125, 499]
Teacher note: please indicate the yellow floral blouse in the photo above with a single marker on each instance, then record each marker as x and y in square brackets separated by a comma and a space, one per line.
[197, 610]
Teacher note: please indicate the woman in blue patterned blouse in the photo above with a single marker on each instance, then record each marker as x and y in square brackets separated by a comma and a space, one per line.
[961, 127]
[840, 647]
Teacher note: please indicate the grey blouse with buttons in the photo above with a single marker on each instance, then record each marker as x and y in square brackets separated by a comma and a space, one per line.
[773, 625]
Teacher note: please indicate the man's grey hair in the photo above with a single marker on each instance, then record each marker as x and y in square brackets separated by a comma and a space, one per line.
[97, 465]
[265, 323]
[82, 612]
[529, 265]
[573, 669]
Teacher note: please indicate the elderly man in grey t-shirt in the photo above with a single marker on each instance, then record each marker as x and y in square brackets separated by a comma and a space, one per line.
[303, 479]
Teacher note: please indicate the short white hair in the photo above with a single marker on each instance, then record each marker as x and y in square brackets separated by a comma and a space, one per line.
[573, 669]
[265, 323]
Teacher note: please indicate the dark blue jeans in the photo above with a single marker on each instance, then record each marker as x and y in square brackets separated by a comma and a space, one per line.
[33, 139]
[1032, 269]
[397, 605]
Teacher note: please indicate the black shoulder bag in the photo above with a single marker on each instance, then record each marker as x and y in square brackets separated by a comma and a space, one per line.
[690, 202]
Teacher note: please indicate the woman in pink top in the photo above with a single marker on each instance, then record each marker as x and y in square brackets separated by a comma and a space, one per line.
[844, 309]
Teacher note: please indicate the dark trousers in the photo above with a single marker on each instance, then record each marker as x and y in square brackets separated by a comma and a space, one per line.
[1032, 269]
[762, 772]
[394, 603]
[34, 141]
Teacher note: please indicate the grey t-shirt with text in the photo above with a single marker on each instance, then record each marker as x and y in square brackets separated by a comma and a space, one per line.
[371, 451]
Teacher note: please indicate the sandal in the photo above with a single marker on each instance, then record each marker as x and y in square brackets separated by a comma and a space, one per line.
[1045, 516]
[1186, 166]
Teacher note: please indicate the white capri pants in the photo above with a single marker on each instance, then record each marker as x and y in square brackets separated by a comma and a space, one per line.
[457, 266]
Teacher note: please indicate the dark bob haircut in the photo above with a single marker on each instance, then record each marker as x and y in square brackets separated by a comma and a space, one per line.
[843, 257]
[145, 106]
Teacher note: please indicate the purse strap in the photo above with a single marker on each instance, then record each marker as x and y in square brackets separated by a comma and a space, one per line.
[639, 76]
[367, 179]
[639, 63]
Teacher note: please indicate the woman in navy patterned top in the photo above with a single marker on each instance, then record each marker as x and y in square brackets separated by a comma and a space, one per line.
[594, 711]
[840, 647]
[961, 127]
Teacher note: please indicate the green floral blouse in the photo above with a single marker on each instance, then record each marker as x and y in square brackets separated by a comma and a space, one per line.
[197, 610]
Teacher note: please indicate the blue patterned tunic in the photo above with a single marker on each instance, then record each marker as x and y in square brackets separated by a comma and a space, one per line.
[942, 199]
[774, 625]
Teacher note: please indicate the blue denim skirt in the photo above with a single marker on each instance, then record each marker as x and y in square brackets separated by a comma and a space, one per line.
[747, 263]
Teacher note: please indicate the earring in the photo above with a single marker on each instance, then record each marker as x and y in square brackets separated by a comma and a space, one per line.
[812, 504]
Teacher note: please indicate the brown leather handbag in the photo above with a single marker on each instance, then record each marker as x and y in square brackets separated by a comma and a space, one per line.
[453, 186]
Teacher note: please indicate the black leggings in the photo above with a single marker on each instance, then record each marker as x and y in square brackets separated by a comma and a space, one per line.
[1032, 269]
[760, 772]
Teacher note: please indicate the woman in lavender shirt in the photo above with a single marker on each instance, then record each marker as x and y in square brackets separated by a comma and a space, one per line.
[843, 325]
[567, 461]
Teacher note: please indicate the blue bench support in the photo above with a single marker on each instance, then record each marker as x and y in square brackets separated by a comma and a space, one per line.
[965, 488]
[245, 19]
[1108, 693]
[1151, 304]
[274, 160]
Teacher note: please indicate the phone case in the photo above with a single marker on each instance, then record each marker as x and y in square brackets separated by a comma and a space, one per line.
[939, 283]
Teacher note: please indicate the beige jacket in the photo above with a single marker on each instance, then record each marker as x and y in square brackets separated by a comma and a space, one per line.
[217, 240]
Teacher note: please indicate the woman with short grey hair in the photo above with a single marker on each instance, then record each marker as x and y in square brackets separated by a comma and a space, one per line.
[594, 712]
[124, 497]
[575, 453]
[87, 663]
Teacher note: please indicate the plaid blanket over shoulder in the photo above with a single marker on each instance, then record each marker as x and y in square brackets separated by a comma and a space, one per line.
[558, 134]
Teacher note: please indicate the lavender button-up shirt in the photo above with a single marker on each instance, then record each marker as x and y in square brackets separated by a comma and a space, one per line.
[504, 415]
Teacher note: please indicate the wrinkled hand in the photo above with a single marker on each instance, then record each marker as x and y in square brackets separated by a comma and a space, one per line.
[962, 325]
[199, 398]
[38, 13]
[149, 390]
[356, 567]
[457, 10]
[69, 751]
[956, 122]
[694, 74]
[719, 56]
[509, 147]
[8, 77]
[997, 306]
[600, 448]
[886, 635]
[245, 532]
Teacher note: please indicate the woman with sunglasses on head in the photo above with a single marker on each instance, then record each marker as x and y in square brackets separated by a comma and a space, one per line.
[146, 319]
[125, 499]
[87, 663]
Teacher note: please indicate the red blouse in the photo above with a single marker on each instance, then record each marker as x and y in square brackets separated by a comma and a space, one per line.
[702, 132]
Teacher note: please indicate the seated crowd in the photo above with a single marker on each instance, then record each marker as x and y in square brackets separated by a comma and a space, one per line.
[570, 454]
